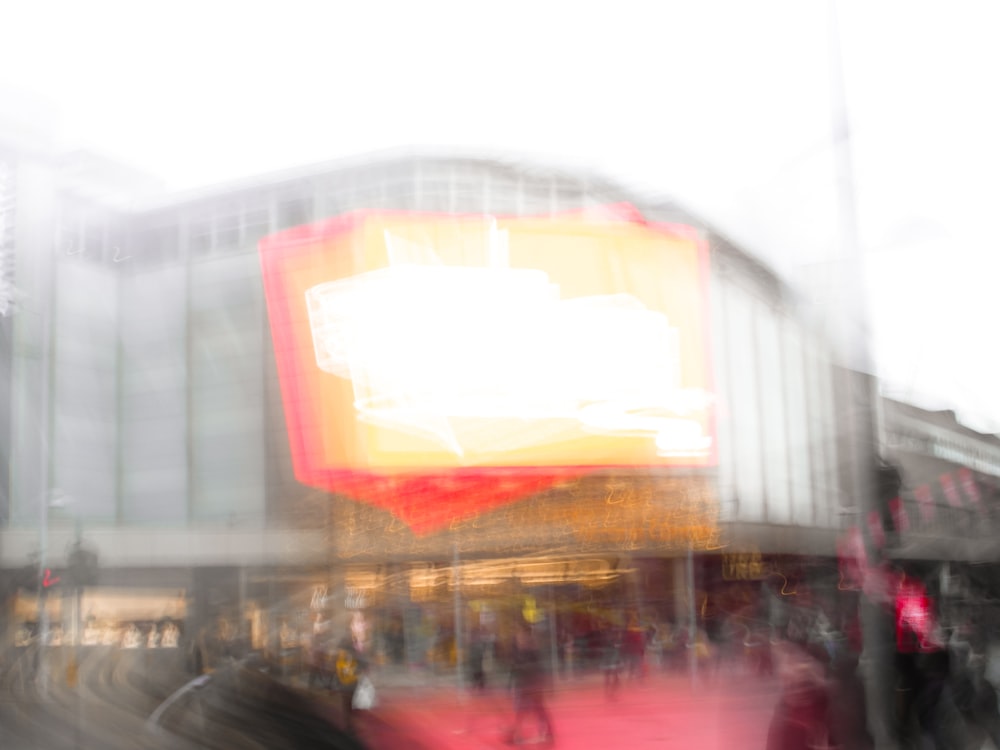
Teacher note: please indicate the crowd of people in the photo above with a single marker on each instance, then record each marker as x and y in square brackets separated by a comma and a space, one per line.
[938, 679]
[932, 674]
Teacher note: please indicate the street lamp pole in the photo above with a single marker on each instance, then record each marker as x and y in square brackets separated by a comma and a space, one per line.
[46, 294]
[43, 501]
[859, 386]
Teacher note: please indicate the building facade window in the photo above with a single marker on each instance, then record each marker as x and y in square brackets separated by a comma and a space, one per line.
[294, 211]
[199, 238]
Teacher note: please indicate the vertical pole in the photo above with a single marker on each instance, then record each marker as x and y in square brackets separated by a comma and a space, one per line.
[43, 499]
[77, 623]
[459, 645]
[77, 629]
[244, 627]
[553, 635]
[75, 675]
[860, 387]
[692, 620]
[76, 632]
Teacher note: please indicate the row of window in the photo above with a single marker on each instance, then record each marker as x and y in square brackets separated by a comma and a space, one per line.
[958, 449]
[776, 423]
[7, 218]
[234, 226]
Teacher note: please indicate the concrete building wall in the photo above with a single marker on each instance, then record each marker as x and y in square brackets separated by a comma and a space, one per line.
[167, 414]
[776, 418]
[950, 493]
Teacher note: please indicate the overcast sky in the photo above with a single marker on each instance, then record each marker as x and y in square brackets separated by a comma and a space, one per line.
[723, 105]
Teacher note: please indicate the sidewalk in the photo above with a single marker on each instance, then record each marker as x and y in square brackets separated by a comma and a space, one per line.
[728, 713]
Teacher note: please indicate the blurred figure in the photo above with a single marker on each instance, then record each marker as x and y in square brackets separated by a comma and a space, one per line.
[801, 720]
[926, 710]
[348, 669]
[611, 661]
[757, 651]
[91, 633]
[634, 648]
[567, 648]
[320, 673]
[701, 647]
[975, 696]
[286, 636]
[319, 652]
[132, 637]
[477, 658]
[23, 637]
[929, 712]
[394, 640]
[675, 643]
[171, 635]
[848, 709]
[359, 632]
[111, 635]
[529, 686]
[729, 645]
[983, 706]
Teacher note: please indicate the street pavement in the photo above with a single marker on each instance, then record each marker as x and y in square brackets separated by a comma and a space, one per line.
[663, 711]
[111, 704]
[124, 700]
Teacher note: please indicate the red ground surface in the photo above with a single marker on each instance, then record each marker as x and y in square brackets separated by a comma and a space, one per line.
[663, 712]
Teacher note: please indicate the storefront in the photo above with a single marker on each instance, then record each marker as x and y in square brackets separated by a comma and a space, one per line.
[105, 616]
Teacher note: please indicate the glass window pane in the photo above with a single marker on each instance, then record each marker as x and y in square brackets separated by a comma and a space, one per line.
[803, 510]
[774, 437]
[745, 407]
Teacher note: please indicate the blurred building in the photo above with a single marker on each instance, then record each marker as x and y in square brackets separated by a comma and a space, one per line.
[142, 405]
[945, 517]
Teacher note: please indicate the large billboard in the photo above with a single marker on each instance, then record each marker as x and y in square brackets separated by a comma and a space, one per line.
[438, 366]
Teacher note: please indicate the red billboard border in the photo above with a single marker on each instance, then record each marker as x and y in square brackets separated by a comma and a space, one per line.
[405, 495]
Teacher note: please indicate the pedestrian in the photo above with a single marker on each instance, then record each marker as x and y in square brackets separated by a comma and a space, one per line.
[348, 669]
[611, 662]
[634, 648]
[927, 713]
[477, 658]
[318, 664]
[528, 681]
[848, 709]
[801, 718]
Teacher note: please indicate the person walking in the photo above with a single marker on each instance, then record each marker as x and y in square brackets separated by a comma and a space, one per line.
[634, 649]
[611, 661]
[528, 681]
[801, 718]
[477, 658]
[348, 669]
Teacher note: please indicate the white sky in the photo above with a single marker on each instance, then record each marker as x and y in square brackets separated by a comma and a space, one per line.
[722, 104]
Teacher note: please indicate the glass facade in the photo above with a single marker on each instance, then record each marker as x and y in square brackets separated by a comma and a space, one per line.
[84, 429]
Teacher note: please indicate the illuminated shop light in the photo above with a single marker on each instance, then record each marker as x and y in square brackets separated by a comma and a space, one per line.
[367, 580]
[429, 578]
[497, 572]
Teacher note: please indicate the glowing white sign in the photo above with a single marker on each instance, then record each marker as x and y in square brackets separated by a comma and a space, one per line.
[468, 356]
